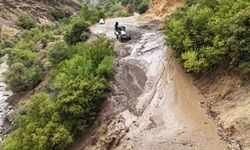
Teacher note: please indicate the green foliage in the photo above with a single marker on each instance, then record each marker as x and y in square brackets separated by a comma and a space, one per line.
[217, 31]
[19, 77]
[142, 8]
[29, 38]
[57, 53]
[4, 47]
[79, 84]
[26, 68]
[192, 63]
[82, 82]
[78, 32]
[60, 14]
[38, 127]
[91, 13]
[26, 21]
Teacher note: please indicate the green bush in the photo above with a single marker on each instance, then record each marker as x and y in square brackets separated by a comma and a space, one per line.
[193, 63]
[91, 13]
[5, 47]
[216, 31]
[142, 8]
[60, 14]
[57, 53]
[82, 83]
[28, 58]
[20, 78]
[28, 39]
[26, 21]
[78, 32]
[26, 63]
[38, 127]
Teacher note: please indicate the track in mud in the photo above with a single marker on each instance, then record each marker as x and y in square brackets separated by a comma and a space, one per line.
[153, 105]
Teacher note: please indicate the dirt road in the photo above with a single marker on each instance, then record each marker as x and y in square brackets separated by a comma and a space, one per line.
[154, 105]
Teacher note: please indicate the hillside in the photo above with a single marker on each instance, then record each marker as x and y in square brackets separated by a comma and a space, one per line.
[41, 10]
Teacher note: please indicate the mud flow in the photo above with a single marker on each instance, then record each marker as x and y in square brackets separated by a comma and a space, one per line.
[153, 105]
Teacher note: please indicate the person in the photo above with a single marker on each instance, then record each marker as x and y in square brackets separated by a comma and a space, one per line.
[116, 26]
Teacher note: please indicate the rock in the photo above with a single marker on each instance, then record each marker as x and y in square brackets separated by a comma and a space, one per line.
[11, 116]
[9, 107]
[7, 93]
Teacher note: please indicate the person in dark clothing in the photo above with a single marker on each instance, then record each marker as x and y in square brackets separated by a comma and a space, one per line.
[116, 25]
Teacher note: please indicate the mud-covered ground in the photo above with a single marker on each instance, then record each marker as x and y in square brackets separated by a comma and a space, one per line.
[153, 104]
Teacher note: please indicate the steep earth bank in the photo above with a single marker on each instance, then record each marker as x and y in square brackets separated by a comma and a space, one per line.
[227, 100]
[153, 104]
[162, 8]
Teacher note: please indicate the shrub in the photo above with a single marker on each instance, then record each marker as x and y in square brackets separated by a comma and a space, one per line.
[57, 53]
[193, 63]
[26, 21]
[82, 82]
[142, 8]
[28, 58]
[28, 39]
[90, 13]
[20, 78]
[216, 31]
[78, 32]
[38, 127]
[60, 14]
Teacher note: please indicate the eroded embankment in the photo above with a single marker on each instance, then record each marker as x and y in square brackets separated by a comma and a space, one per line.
[153, 104]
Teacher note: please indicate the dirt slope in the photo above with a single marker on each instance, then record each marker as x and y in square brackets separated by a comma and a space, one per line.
[154, 105]
[228, 102]
[161, 8]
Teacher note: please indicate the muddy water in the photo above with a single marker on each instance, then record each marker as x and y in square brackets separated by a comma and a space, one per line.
[154, 105]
